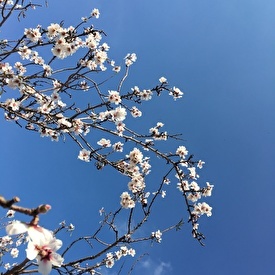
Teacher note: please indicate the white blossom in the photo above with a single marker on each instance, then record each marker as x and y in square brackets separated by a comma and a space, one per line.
[14, 252]
[202, 208]
[200, 164]
[44, 250]
[95, 13]
[182, 151]
[104, 142]
[136, 112]
[130, 59]
[33, 34]
[176, 93]
[84, 155]
[207, 191]
[118, 114]
[163, 80]
[135, 156]
[157, 236]
[126, 200]
[118, 146]
[114, 97]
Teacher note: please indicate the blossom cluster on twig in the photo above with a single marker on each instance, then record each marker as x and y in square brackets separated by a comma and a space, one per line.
[39, 92]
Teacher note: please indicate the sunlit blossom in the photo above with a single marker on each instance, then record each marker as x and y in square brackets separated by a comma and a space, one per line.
[176, 93]
[33, 34]
[95, 13]
[182, 151]
[14, 252]
[104, 142]
[126, 200]
[163, 80]
[157, 236]
[200, 164]
[39, 103]
[136, 112]
[118, 146]
[135, 156]
[202, 208]
[114, 97]
[84, 155]
[207, 191]
[44, 250]
[130, 59]
[118, 114]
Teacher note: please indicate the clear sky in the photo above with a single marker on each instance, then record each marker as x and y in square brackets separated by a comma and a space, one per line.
[222, 55]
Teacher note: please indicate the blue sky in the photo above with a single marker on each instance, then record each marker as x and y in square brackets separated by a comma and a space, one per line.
[221, 54]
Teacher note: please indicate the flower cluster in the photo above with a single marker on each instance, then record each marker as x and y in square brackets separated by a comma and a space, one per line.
[202, 208]
[142, 95]
[136, 168]
[157, 236]
[37, 106]
[156, 133]
[116, 115]
[49, 102]
[114, 97]
[66, 43]
[126, 200]
[10, 245]
[130, 59]
[136, 112]
[7, 245]
[112, 257]
[190, 188]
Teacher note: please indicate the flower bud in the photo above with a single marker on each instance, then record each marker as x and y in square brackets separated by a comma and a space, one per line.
[44, 208]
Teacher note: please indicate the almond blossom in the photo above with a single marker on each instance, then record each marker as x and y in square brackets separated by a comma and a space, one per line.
[95, 13]
[126, 200]
[130, 59]
[182, 151]
[118, 114]
[157, 236]
[202, 208]
[42, 245]
[114, 97]
[40, 106]
[176, 93]
[104, 142]
[163, 80]
[44, 251]
[14, 252]
[84, 155]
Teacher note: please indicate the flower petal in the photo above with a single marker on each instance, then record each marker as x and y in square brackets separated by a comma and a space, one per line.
[31, 251]
[56, 259]
[55, 244]
[39, 235]
[16, 227]
[44, 267]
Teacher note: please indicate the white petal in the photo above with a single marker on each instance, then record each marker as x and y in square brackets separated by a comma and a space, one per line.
[39, 235]
[56, 259]
[44, 267]
[55, 244]
[16, 227]
[31, 251]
